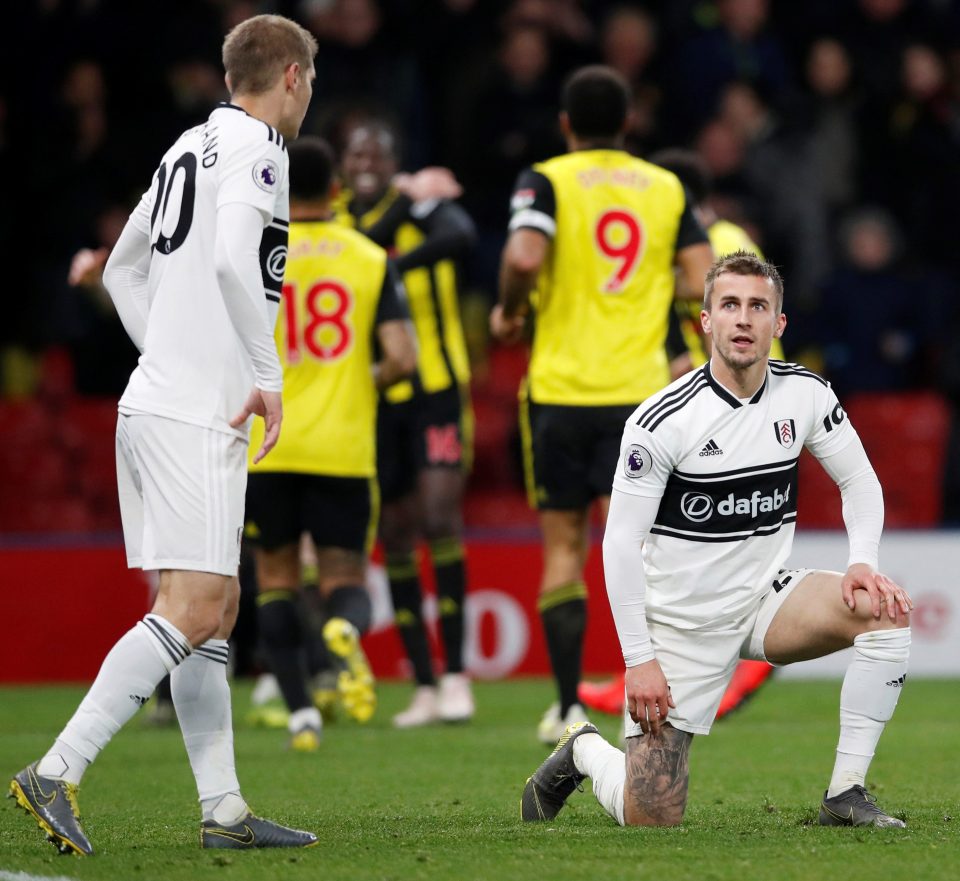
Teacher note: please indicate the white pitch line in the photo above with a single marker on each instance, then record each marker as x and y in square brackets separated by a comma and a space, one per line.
[24, 876]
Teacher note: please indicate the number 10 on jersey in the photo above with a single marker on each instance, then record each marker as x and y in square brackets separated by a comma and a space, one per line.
[321, 328]
[619, 236]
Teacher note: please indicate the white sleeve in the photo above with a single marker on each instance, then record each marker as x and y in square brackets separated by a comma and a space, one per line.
[862, 498]
[628, 524]
[127, 273]
[255, 173]
[237, 260]
[831, 429]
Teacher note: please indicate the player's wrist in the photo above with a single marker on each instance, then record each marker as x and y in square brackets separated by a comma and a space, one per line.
[638, 657]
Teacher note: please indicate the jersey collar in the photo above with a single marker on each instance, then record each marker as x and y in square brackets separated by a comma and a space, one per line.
[725, 395]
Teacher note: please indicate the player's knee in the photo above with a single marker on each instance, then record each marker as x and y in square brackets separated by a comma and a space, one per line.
[202, 620]
[868, 623]
[205, 624]
[651, 814]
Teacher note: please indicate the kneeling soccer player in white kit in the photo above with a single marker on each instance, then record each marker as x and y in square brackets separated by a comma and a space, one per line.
[196, 278]
[693, 555]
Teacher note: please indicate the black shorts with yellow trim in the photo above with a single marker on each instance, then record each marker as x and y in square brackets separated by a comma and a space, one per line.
[430, 430]
[337, 512]
[570, 453]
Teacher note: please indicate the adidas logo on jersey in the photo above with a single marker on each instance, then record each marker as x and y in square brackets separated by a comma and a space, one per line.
[898, 683]
[711, 449]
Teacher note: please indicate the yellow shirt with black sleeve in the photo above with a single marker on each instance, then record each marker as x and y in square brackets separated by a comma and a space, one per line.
[725, 238]
[424, 239]
[337, 288]
[603, 295]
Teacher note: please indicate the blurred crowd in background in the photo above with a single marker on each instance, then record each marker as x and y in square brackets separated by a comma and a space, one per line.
[831, 129]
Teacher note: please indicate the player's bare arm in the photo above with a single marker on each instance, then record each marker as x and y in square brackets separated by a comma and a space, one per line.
[399, 353]
[524, 255]
[658, 777]
[693, 263]
[432, 182]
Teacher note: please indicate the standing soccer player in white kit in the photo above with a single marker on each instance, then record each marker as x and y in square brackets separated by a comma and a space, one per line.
[701, 523]
[196, 278]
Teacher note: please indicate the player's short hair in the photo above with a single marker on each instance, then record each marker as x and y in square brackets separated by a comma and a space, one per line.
[312, 166]
[742, 263]
[596, 98]
[257, 51]
[689, 167]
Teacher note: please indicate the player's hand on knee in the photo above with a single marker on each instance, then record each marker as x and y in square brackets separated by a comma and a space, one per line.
[269, 405]
[882, 592]
[648, 696]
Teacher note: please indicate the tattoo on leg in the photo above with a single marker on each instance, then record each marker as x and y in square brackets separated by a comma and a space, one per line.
[658, 773]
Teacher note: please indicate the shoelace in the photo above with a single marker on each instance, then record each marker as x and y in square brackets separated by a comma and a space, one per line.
[868, 797]
[559, 778]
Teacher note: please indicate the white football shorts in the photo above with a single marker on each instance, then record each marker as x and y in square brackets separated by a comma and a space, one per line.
[181, 489]
[699, 664]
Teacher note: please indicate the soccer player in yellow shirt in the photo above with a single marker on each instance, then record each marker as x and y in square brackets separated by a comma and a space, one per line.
[341, 298]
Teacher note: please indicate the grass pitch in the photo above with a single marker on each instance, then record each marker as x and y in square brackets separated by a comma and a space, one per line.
[443, 802]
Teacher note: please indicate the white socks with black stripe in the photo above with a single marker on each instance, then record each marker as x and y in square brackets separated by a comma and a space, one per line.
[128, 676]
[871, 689]
[201, 695]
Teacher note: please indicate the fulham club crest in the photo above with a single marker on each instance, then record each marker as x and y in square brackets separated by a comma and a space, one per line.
[786, 432]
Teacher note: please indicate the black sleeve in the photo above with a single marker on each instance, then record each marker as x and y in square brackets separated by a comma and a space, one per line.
[449, 233]
[533, 204]
[675, 343]
[392, 305]
[690, 231]
[385, 229]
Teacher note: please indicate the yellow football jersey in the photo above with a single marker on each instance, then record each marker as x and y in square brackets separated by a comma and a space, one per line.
[725, 238]
[325, 336]
[603, 295]
[432, 297]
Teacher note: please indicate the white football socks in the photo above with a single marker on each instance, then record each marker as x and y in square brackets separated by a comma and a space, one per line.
[128, 676]
[871, 688]
[201, 695]
[606, 766]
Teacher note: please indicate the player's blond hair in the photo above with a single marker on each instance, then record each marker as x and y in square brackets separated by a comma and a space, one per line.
[257, 51]
[742, 263]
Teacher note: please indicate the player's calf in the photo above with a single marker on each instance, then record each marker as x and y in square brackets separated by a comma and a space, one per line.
[658, 776]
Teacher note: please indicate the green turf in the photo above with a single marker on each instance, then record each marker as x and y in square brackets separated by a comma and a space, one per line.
[444, 802]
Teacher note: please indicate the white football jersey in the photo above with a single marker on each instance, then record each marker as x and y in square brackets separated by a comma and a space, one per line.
[725, 472]
[194, 367]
